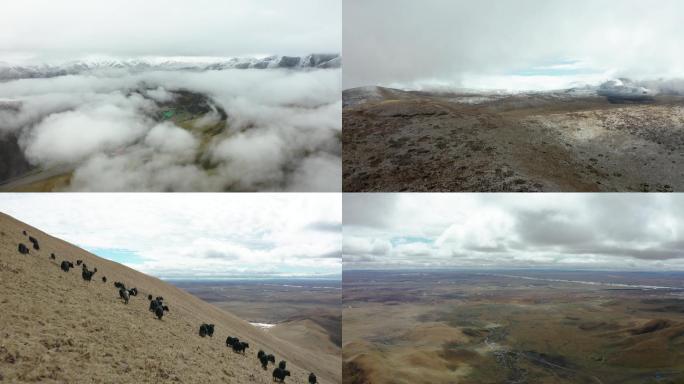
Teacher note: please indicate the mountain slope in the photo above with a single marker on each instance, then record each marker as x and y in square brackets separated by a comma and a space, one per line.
[568, 140]
[56, 327]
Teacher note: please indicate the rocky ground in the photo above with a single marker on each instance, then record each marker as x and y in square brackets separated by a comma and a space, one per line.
[560, 141]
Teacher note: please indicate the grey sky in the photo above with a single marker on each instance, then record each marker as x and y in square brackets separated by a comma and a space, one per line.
[534, 44]
[591, 231]
[68, 29]
[195, 235]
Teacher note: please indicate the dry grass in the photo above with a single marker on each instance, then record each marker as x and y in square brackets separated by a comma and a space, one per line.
[57, 328]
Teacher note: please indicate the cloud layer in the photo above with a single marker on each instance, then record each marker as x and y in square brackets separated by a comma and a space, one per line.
[601, 231]
[283, 131]
[196, 235]
[68, 29]
[502, 44]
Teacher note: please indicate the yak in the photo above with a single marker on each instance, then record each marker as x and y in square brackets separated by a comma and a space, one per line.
[158, 308]
[264, 359]
[240, 346]
[78, 262]
[66, 265]
[280, 374]
[231, 340]
[159, 312]
[282, 364]
[123, 294]
[52, 256]
[23, 249]
[312, 378]
[104, 279]
[206, 330]
[86, 274]
[133, 291]
[35, 243]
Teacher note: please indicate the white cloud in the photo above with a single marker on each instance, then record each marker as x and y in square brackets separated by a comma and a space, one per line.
[283, 130]
[195, 234]
[167, 137]
[485, 43]
[68, 29]
[608, 231]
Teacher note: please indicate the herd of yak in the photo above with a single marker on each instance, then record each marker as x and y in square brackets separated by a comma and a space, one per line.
[158, 307]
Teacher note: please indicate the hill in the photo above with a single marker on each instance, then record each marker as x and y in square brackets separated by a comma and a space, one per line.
[57, 327]
[568, 140]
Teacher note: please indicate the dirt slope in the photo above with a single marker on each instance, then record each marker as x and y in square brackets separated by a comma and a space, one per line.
[55, 327]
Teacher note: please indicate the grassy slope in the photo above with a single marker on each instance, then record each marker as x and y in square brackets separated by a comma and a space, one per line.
[55, 327]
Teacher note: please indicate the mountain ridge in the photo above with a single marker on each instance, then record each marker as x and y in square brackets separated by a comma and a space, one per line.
[10, 71]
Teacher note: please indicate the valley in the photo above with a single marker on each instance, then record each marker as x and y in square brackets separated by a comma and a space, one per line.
[482, 327]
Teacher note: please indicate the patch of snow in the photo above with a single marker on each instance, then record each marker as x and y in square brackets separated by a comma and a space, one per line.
[263, 325]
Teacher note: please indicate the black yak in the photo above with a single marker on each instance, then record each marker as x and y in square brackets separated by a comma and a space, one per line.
[86, 274]
[104, 279]
[23, 249]
[206, 330]
[158, 308]
[133, 291]
[24, 233]
[149, 297]
[123, 294]
[35, 243]
[282, 364]
[159, 311]
[66, 265]
[264, 362]
[240, 346]
[312, 378]
[231, 340]
[264, 359]
[52, 256]
[119, 285]
[78, 262]
[280, 374]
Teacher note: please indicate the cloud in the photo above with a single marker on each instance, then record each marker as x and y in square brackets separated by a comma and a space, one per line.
[43, 29]
[325, 226]
[190, 235]
[283, 130]
[606, 231]
[501, 44]
[71, 136]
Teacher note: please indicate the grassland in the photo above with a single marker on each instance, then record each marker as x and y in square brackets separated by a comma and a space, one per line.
[480, 328]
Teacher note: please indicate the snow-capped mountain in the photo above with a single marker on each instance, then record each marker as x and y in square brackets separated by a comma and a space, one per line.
[22, 71]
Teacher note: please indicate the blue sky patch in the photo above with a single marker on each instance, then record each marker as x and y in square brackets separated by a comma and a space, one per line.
[124, 256]
[557, 68]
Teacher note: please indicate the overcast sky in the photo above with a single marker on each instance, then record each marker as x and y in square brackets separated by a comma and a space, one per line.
[68, 29]
[195, 235]
[586, 231]
[523, 44]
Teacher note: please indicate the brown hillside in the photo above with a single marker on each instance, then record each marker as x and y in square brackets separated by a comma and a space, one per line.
[56, 328]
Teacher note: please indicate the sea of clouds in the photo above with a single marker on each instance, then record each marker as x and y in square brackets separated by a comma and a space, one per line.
[283, 135]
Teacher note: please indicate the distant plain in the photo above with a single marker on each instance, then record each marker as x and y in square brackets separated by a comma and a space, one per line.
[513, 327]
